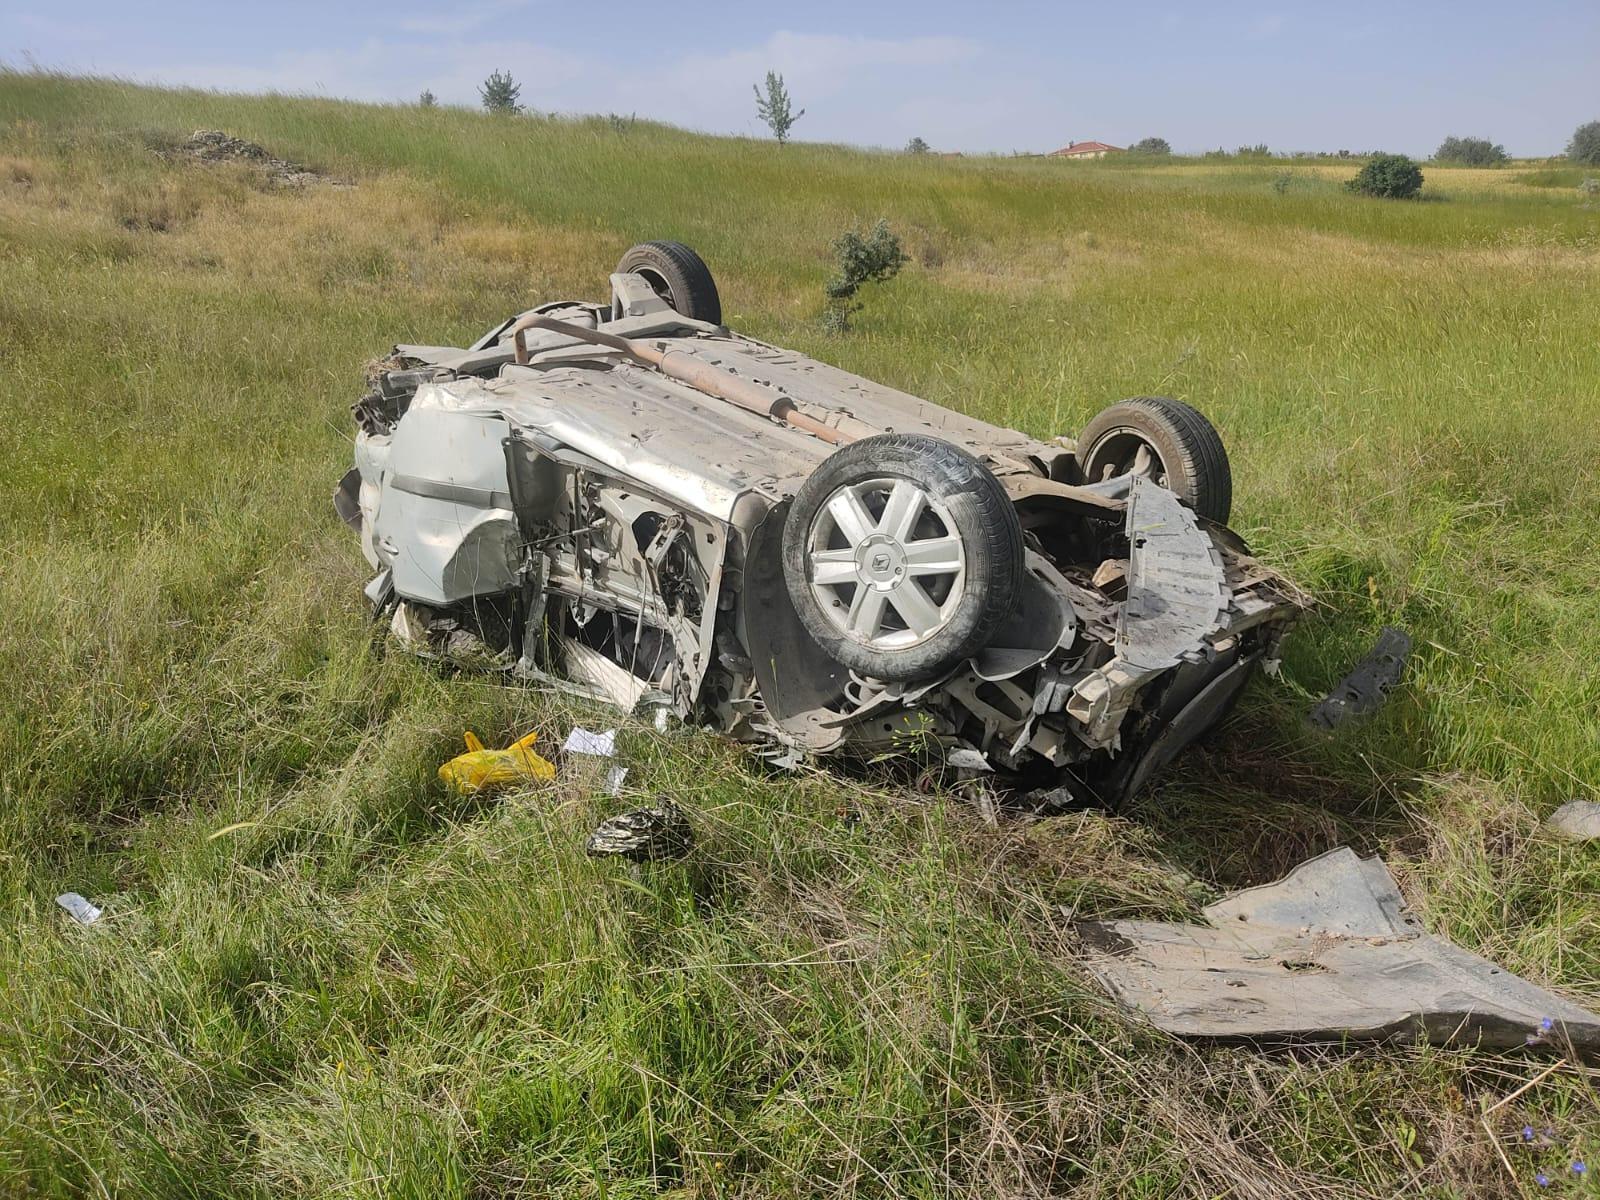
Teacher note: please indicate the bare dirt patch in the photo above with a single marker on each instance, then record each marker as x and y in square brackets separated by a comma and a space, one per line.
[211, 146]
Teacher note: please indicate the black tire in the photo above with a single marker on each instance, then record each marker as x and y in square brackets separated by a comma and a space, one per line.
[1192, 461]
[679, 276]
[962, 499]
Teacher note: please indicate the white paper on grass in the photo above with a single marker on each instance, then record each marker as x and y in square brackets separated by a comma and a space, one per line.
[614, 780]
[82, 911]
[586, 741]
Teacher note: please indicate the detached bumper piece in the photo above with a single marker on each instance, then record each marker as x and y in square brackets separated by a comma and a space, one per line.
[1327, 953]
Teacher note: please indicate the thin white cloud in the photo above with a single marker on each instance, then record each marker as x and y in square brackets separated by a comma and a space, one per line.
[460, 21]
[380, 69]
[1268, 25]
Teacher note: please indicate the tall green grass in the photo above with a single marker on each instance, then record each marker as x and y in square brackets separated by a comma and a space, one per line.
[366, 987]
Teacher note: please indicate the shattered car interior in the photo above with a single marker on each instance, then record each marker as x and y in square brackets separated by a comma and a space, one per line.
[630, 501]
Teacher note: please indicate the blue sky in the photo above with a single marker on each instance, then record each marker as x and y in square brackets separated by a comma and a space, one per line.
[998, 76]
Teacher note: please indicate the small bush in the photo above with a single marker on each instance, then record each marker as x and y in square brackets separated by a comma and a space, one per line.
[1151, 145]
[1471, 152]
[917, 146]
[1585, 145]
[427, 99]
[862, 260]
[1281, 183]
[499, 94]
[1391, 176]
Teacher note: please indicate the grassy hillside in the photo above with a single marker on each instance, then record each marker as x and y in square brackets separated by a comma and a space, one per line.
[319, 975]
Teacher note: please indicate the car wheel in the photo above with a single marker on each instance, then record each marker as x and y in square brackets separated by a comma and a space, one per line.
[679, 276]
[902, 554]
[1167, 442]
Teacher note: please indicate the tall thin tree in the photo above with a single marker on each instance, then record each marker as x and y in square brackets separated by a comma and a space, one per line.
[774, 107]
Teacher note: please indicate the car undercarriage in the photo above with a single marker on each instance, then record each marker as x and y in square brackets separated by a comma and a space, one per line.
[632, 502]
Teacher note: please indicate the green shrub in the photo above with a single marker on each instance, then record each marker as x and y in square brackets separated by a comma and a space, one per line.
[1151, 145]
[1391, 176]
[499, 94]
[1471, 152]
[862, 260]
[917, 146]
[1585, 145]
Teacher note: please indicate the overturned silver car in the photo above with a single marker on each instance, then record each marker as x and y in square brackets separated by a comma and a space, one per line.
[634, 502]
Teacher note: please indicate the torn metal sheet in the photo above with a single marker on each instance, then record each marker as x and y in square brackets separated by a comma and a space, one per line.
[1366, 688]
[660, 831]
[1328, 952]
[1577, 820]
[1176, 586]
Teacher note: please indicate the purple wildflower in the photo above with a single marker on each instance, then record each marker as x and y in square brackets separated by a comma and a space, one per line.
[1546, 1024]
[1542, 1179]
[1578, 1168]
[1527, 1133]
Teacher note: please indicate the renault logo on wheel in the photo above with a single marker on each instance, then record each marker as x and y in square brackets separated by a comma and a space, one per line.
[880, 562]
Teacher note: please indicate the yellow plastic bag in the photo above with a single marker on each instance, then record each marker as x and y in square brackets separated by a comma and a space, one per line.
[479, 768]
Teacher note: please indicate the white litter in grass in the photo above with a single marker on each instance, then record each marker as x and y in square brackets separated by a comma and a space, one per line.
[586, 741]
[81, 910]
[661, 720]
[967, 757]
[614, 780]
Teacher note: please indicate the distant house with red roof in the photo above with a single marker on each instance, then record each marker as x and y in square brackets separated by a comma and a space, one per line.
[1085, 150]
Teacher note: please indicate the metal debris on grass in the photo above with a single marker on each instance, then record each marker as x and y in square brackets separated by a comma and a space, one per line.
[1576, 820]
[1366, 687]
[1327, 953]
[659, 831]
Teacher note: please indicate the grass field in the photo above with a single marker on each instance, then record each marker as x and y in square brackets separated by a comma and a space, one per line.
[320, 975]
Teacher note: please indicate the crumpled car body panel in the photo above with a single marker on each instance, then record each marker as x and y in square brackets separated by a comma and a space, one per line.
[1328, 952]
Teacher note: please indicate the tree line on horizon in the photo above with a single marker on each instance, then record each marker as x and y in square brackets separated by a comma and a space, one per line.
[501, 94]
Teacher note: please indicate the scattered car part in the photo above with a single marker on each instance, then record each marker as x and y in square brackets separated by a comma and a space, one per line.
[1366, 687]
[1165, 441]
[1576, 820]
[479, 769]
[1326, 953]
[630, 501]
[660, 831]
